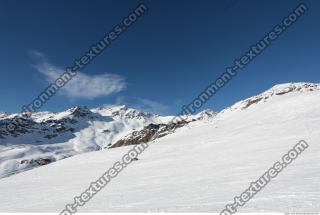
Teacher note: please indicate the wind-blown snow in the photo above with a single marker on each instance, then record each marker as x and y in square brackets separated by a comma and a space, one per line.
[200, 168]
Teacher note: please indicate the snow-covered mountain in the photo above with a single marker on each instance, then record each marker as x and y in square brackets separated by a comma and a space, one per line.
[275, 93]
[198, 168]
[28, 140]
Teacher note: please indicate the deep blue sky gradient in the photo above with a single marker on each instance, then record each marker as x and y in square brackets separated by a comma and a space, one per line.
[169, 56]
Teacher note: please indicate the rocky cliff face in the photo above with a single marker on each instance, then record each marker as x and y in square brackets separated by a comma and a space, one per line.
[154, 131]
[148, 133]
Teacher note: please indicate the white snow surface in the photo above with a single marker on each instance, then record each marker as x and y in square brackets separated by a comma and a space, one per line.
[199, 168]
[99, 128]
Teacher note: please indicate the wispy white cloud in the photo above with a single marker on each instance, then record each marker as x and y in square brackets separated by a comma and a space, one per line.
[82, 85]
[151, 106]
[142, 104]
[119, 101]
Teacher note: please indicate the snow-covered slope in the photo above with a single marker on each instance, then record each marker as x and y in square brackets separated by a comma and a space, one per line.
[198, 168]
[29, 140]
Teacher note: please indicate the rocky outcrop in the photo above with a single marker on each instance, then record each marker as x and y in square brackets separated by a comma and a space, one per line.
[154, 131]
[251, 102]
[129, 113]
[38, 161]
[148, 133]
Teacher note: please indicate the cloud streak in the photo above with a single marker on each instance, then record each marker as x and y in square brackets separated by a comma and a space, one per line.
[82, 86]
[151, 106]
[141, 104]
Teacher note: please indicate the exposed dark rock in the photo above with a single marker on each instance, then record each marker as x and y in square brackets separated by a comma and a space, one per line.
[129, 113]
[80, 111]
[43, 161]
[49, 128]
[148, 133]
[206, 114]
[251, 102]
[39, 161]
[290, 89]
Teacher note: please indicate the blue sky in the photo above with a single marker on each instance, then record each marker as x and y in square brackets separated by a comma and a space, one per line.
[164, 60]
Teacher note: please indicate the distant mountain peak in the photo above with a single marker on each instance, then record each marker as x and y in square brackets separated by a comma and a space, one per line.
[206, 114]
[118, 108]
[79, 111]
[127, 112]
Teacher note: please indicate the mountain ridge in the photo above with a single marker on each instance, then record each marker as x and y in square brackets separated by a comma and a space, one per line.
[40, 138]
[44, 137]
[197, 168]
